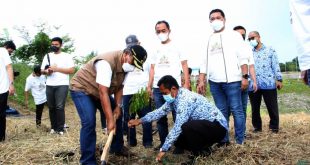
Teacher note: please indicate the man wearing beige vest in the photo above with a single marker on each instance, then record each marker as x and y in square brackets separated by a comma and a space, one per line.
[97, 81]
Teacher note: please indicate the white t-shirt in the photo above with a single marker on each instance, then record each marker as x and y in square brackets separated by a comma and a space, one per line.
[37, 87]
[167, 61]
[104, 73]
[61, 60]
[4, 77]
[300, 19]
[217, 72]
[136, 80]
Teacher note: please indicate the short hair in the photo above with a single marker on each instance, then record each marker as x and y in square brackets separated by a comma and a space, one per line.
[9, 44]
[168, 81]
[256, 32]
[37, 69]
[215, 11]
[58, 39]
[239, 28]
[189, 71]
[163, 21]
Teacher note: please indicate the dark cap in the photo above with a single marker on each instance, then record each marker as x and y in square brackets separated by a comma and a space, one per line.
[139, 55]
[131, 40]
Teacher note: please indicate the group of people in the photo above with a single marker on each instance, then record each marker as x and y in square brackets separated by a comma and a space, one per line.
[232, 68]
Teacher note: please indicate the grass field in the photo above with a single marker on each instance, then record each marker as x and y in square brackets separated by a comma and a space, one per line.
[26, 144]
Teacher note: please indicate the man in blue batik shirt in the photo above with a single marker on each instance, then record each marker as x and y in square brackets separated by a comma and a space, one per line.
[198, 125]
[269, 79]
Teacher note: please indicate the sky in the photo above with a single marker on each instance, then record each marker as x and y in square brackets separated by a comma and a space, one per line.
[103, 25]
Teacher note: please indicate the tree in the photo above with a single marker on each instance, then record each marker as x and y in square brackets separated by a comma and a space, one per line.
[38, 46]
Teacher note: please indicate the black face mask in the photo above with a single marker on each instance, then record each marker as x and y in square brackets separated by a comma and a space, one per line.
[243, 36]
[54, 49]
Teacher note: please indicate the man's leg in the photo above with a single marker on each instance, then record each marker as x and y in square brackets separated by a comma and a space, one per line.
[308, 76]
[50, 96]
[60, 101]
[147, 128]
[244, 99]
[162, 123]
[220, 100]
[131, 135]
[271, 101]
[233, 94]
[87, 112]
[3, 104]
[198, 135]
[118, 141]
[256, 99]
[39, 110]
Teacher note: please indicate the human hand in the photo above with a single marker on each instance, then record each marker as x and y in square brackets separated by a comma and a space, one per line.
[279, 85]
[11, 89]
[201, 88]
[132, 123]
[160, 156]
[254, 87]
[117, 112]
[244, 84]
[149, 91]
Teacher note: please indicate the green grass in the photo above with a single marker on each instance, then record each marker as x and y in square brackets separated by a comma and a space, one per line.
[294, 86]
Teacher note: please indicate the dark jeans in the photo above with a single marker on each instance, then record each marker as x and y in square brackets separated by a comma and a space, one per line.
[86, 107]
[227, 98]
[308, 75]
[147, 127]
[56, 100]
[198, 135]
[3, 104]
[39, 110]
[244, 100]
[271, 100]
[162, 123]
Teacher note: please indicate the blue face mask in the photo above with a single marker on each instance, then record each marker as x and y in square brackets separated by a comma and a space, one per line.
[253, 43]
[168, 98]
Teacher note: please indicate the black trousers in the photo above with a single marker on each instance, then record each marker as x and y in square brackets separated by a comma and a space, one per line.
[271, 101]
[39, 110]
[3, 105]
[198, 135]
[56, 100]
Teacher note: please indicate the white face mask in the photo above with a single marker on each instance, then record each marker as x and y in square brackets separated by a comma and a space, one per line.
[127, 67]
[217, 25]
[253, 43]
[163, 37]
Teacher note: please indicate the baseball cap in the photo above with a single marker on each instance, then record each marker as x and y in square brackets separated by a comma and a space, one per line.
[131, 40]
[139, 55]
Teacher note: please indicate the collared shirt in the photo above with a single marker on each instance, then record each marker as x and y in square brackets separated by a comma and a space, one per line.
[266, 67]
[188, 106]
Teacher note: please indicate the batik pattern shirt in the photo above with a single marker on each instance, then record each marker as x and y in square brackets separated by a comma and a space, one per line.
[188, 106]
[266, 67]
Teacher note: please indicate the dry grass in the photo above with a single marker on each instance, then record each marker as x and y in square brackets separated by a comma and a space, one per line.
[25, 144]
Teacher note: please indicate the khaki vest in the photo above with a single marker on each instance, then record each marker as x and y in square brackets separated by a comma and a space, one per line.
[85, 79]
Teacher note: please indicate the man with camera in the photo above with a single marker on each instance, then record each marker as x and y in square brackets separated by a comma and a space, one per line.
[57, 66]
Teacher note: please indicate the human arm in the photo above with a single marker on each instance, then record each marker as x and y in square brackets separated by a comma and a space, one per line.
[276, 69]
[201, 87]
[9, 70]
[151, 79]
[245, 81]
[186, 74]
[118, 101]
[54, 68]
[106, 106]
[253, 76]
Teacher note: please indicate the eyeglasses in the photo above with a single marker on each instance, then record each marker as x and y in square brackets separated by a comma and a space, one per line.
[251, 38]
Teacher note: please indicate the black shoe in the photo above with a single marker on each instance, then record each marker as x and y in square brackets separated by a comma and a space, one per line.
[178, 150]
[274, 130]
[132, 144]
[222, 144]
[257, 130]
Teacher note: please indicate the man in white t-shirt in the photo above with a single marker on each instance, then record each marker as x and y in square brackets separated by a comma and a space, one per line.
[226, 68]
[135, 81]
[168, 60]
[6, 88]
[300, 20]
[57, 66]
[36, 83]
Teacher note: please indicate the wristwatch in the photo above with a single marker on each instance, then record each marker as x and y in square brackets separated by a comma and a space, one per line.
[245, 76]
